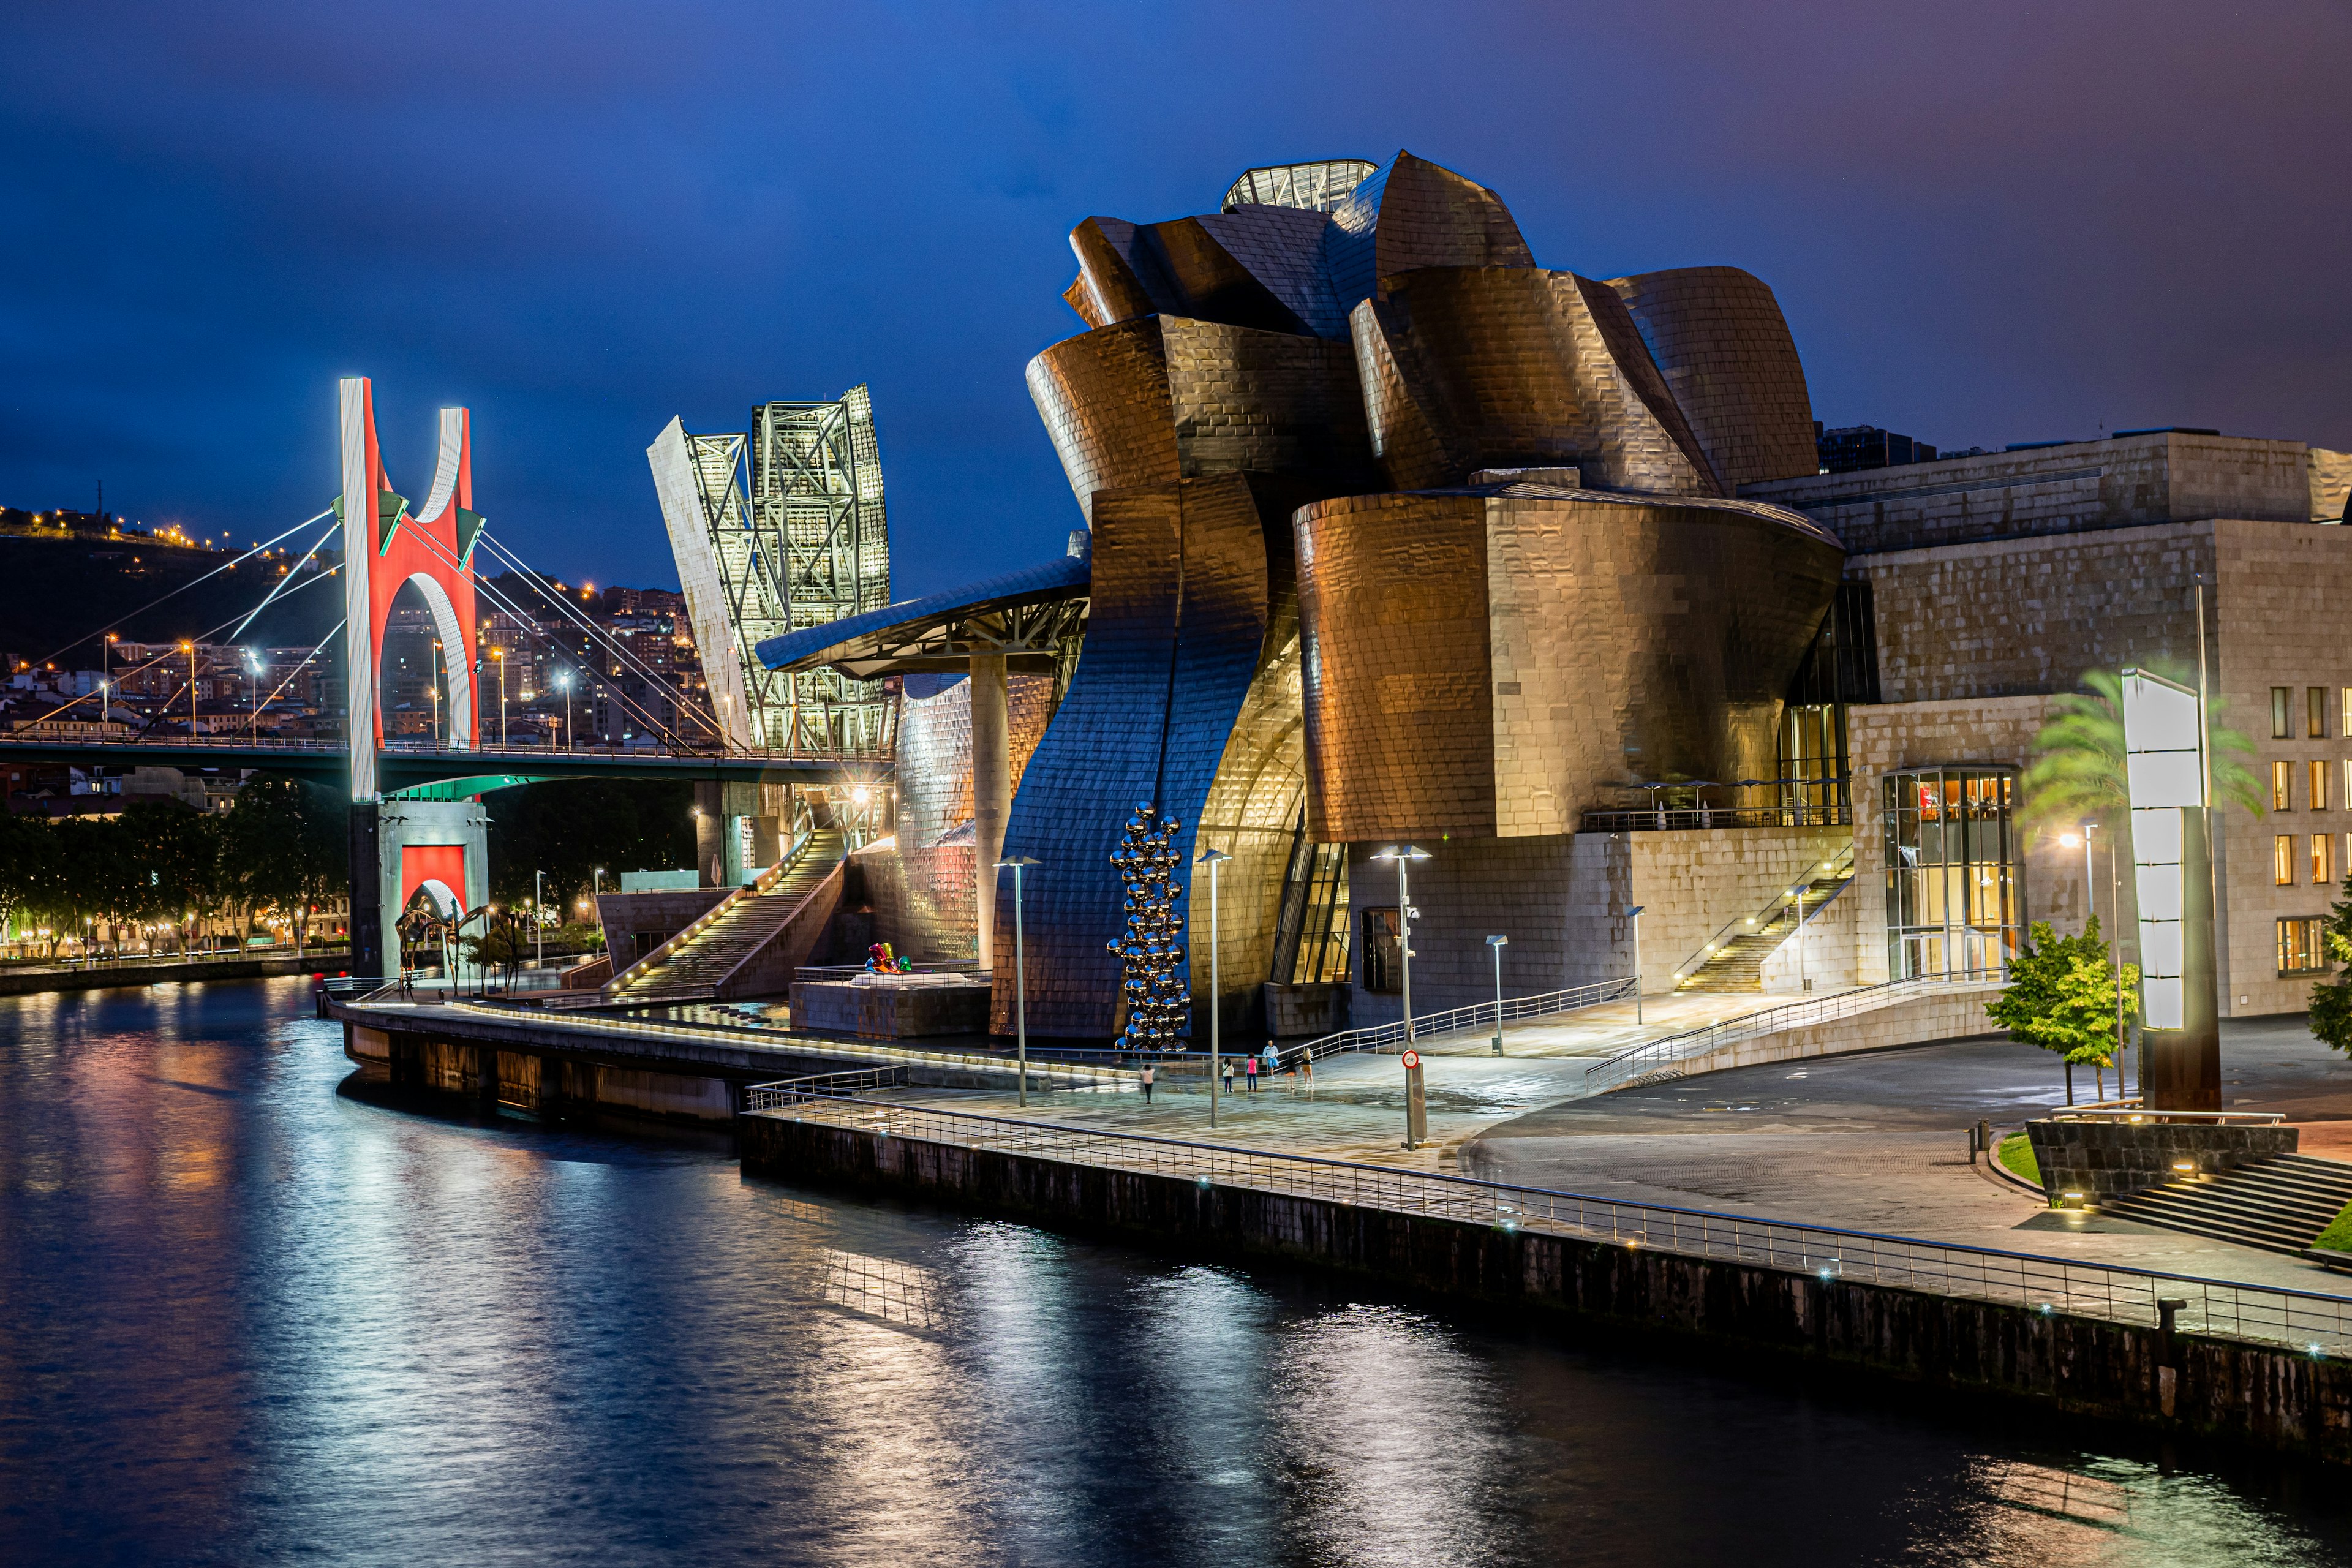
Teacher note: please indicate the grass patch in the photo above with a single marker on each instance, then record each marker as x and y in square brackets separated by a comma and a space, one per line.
[2337, 1237]
[2015, 1154]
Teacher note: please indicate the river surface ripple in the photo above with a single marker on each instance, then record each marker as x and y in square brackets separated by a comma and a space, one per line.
[247, 1315]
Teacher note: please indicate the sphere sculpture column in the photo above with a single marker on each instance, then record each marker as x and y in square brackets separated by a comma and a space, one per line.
[1152, 948]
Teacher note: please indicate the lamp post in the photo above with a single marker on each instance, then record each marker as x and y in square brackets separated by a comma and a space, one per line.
[252, 694]
[434, 688]
[1498, 943]
[1020, 973]
[563, 679]
[190, 649]
[1402, 855]
[498, 657]
[1212, 859]
[538, 919]
[1635, 914]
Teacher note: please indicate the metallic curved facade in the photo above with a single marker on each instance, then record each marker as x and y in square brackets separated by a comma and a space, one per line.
[1483, 662]
[1303, 617]
[1496, 367]
[1718, 336]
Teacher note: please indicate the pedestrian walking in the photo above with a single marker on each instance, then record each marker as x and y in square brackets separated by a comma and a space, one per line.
[1249, 1073]
[1272, 1061]
[1147, 1083]
[1229, 1076]
[1307, 1071]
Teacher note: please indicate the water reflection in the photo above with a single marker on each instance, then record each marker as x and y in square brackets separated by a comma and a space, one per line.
[245, 1318]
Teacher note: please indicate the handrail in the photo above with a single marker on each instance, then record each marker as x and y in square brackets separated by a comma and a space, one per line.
[822, 972]
[1762, 919]
[2129, 1113]
[821, 1085]
[1372, 1037]
[1619, 1068]
[753, 888]
[241, 742]
[2308, 1319]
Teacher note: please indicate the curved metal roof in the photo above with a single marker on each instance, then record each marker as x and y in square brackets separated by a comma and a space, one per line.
[1021, 614]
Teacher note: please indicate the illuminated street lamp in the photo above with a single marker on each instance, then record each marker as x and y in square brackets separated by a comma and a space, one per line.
[1020, 973]
[498, 657]
[1401, 855]
[1212, 859]
[1498, 943]
[190, 649]
[252, 693]
[563, 679]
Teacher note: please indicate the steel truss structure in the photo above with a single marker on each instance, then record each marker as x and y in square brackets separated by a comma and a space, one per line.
[774, 531]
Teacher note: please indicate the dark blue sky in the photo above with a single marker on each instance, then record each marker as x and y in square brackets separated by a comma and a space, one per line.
[1998, 223]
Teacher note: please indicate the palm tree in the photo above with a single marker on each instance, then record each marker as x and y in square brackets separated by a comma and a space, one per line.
[2077, 771]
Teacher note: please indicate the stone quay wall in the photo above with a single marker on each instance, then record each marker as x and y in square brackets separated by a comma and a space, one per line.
[2265, 1396]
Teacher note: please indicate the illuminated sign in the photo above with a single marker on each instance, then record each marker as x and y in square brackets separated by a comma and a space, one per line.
[2165, 768]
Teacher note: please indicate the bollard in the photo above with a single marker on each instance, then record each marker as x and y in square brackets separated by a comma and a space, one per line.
[1417, 1108]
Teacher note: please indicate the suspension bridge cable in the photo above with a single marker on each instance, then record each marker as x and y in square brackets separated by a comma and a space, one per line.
[515, 562]
[185, 586]
[298, 668]
[500, 601]
[279, 586]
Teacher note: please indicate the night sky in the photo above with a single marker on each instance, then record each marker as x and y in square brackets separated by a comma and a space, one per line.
[1986, 223]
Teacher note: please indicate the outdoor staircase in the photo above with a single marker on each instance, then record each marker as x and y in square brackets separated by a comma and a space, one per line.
[2279, 1204]
[691, 967]
[1734, 961]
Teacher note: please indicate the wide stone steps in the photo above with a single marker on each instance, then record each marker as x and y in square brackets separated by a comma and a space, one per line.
[2279, 1204]
[1738, 964]
[745, 925]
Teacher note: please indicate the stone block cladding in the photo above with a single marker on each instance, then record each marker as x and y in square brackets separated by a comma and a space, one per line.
[2107, 1159]
[1561, 899]
[2076, 487]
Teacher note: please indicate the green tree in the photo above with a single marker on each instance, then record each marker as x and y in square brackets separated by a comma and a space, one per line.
[2076, 772]
[26, 849]
[2061, 995]
[173, 855]
[284, 846]
[2331, 999]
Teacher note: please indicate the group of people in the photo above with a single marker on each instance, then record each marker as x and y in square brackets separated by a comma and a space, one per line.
[1265, 1064]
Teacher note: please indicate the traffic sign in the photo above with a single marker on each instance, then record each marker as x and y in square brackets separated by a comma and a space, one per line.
[1411, 1060]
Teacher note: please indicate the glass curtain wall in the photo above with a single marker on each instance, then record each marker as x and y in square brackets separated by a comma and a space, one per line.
[1954, 872]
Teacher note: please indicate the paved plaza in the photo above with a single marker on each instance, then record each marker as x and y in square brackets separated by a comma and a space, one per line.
[1874, 1141]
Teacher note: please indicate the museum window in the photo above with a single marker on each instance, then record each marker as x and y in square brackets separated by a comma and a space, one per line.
[2314, 710]
[2323, 857]
[2282, 786]
[1383, 951]
[1322, 953]
[1955, 871]
[2282, 706]
[2346, 727]
[2283, 860]
[2319, 786]
[2303, 945]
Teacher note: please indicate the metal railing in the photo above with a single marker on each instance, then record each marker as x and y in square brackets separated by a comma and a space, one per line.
[2135, 1112]
[790, 1092]
[1635, 1061]
[1455, 1020]
[2306, 1320]
[1762, 920]
[617, 987]
[1661, 819]
[240, 740]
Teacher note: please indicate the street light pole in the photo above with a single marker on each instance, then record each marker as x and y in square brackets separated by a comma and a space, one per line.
[498, 657]
[1402, 855]
[1212, 859]
[1020, 973]
[1498, 943]
[538, 919]
[1636, 915]
[191, 649]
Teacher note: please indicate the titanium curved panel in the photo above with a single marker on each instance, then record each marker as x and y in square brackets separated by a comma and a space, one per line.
[1265, 402]
[1719, 337]
[1513, 367]
[1488, 661]
[1283, 249]
[1178, 619]
[1103, 395]
[1414, 214]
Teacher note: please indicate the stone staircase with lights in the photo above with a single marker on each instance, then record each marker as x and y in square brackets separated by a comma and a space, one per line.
[2279, 1204]
[750, 942]
[1734, 960]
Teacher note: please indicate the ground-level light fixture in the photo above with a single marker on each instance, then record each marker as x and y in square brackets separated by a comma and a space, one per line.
[1498, 943]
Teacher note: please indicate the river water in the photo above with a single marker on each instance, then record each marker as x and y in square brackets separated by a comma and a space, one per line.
[247, 1315]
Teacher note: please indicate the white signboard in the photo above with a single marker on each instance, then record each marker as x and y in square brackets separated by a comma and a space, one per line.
[2165, 768]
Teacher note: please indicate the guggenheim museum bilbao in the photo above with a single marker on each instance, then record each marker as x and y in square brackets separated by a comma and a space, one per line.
[1393, 538]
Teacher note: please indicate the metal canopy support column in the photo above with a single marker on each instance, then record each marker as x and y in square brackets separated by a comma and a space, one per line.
[992, 787]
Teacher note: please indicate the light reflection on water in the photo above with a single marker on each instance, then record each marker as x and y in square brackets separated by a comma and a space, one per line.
[245, 1318]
